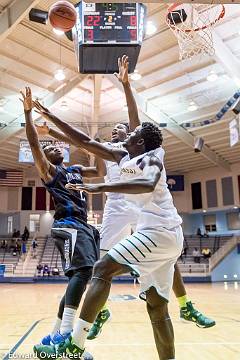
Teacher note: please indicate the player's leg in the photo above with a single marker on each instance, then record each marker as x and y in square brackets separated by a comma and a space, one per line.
[187, 310]
[95, 298]
[46, 340]
[68, 306]
[157, 308]
[73, 245]
[115, 226]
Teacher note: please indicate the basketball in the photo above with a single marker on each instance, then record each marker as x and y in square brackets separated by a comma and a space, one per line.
[177, 16]
[62, 15]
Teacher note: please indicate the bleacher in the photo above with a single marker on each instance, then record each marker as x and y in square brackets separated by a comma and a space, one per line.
[187, 264]
[7, 258]
[51, 256]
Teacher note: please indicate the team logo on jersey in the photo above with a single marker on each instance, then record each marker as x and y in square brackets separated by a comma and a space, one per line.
[128, 171]
[73, 176]
[66, 253]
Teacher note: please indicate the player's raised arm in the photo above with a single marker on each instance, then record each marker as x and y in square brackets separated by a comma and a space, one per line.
[123, 77]
[79, 138]
[151, 167]
[45, 168]
[45, 130]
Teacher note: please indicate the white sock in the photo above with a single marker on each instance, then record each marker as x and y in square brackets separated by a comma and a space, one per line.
[67, 320]
[56, 327]
[80, 332]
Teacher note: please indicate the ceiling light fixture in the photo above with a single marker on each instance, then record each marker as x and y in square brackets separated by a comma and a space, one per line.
[150, 28]
[58, 32]
[192, 106]
[212, 76]
[64, 106]
[59, 75]
[136, 76]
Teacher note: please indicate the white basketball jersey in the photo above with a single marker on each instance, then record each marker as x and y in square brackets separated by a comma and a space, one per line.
[113, 171]
[157, 208]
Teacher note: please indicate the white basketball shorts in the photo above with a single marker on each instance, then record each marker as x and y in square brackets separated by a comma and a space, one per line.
[152, 253]
[119, 219]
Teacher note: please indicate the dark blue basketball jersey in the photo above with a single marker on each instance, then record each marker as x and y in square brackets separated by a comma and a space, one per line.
[70, 205]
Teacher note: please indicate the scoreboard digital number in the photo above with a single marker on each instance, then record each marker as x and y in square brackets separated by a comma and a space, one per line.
[106, 31]
[110, 23]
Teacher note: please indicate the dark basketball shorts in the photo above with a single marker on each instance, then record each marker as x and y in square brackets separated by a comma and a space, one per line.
[79, 247]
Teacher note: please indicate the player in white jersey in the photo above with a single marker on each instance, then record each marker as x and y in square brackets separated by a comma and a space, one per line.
[119, 219]
[152, 250]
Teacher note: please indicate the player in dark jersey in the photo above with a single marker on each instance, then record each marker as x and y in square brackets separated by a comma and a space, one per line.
[77, 241]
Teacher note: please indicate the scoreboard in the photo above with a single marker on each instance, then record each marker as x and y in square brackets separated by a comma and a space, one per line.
[106, 31]
[110, 23]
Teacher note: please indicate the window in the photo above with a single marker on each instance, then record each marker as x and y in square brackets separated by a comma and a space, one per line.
[233, 221]
[210, 222]
[10, 224]
[34, 223]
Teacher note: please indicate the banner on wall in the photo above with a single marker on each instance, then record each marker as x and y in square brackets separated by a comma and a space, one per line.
[175, 182]
[234, 132]
[25, 153]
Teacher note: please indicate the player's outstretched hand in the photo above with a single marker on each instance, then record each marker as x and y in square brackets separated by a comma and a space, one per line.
[122, 74]
[89, 188]
[43, 111]
[42, 130]
[27, 99]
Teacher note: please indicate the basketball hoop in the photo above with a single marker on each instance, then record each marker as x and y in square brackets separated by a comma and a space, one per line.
[192, 24]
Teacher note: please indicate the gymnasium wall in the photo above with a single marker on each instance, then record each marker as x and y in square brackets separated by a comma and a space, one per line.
[11, 201]
[183, 200]
[229, 267]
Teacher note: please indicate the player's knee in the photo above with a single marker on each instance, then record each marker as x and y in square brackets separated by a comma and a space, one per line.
[157, 306]
[103, 269]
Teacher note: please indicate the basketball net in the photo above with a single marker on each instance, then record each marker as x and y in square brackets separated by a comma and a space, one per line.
[194, 35]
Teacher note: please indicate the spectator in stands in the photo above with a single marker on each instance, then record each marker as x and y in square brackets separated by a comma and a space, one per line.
[206, 252]
[24, 250]
[14, 235]
[14, 249]
[199, 233]
[39, 269]
[46, 270]
[196, 255]
[34, 246]
[55, 271]
[3, 244]
[205, 235]
[25, 235]
[184, 254]
[17, 234]
[18, 247]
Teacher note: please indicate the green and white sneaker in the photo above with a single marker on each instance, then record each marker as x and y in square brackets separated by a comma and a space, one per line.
[45, 351]
[65, 349]
[189, 313]
[101, 319]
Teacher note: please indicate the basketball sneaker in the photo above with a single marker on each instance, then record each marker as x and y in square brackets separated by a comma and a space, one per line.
[189, 313]
[102, 318]
[63, 349]
[67, 348]
[56, 339]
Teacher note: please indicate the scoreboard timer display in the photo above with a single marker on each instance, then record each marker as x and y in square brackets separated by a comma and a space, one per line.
[106, 31]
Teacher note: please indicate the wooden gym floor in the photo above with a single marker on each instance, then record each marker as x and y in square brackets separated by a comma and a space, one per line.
[28, 310]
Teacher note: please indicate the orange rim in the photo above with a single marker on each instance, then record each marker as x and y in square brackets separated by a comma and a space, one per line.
[175, 5]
